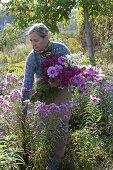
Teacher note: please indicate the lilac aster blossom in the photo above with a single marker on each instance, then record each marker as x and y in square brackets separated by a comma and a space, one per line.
[72, 104]
[41, 123]
[52, 72]
[84, 88]
[79, 79]
[94, 71]
[64, 107]
[42, 108]
[72, 81]
[4, 104]
[90, 70]
[26, 101]
[10, 79]
[15, 94]
[52, 107]
[23, 89]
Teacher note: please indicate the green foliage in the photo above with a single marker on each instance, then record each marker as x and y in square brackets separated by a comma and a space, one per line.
[91, 125]
[27, 12]
[14, 61]
[88, 152]
[70, 39]
[102, 32]
[10, 153]
[76, 120]
[92, 140]
[43, 145]
[17, 68]
[43, 92]
[10, 37]
[97, 7]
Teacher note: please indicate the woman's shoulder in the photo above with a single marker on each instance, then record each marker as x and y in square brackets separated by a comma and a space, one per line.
[60, 47]
[57, 44]
[30, 54]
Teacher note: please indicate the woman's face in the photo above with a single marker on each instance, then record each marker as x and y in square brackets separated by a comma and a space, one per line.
[38, 43]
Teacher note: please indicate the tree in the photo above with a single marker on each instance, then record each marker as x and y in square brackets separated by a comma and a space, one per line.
[51, 12]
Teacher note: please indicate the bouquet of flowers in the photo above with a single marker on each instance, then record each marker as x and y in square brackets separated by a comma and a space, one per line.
[60, 73]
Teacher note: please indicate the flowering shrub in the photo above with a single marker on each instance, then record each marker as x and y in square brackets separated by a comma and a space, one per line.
[38, 130]
[47, 124]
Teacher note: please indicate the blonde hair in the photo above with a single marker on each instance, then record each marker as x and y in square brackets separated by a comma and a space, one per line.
[40, 29]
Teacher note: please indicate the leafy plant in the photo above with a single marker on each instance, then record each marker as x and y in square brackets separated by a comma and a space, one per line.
[10, 153]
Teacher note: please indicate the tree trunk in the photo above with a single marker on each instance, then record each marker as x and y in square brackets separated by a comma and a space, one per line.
[88, 36]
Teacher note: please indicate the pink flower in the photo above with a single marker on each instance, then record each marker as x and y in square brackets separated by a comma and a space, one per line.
[94, 99]
[58, 67]
[61, 60]
[52, 72]
[26, 101]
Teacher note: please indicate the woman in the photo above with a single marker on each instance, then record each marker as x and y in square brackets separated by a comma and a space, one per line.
[42, 47]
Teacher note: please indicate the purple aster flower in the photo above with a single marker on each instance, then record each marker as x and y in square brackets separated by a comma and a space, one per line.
[15, 94]
[84, 88]
[72, 80]
[10, 79]
[41, 108]
[24, 89]
[72, 104]
[54, 108]
[41, 123]
[78, 80]
[5, 105]
[32, 91]
[26, 102]
[64, 107]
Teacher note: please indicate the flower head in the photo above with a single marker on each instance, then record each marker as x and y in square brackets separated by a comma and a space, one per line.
[94, 99]
[61, 60]
[52, 72]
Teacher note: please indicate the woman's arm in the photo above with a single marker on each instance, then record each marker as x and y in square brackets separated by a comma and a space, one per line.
[28, 76]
